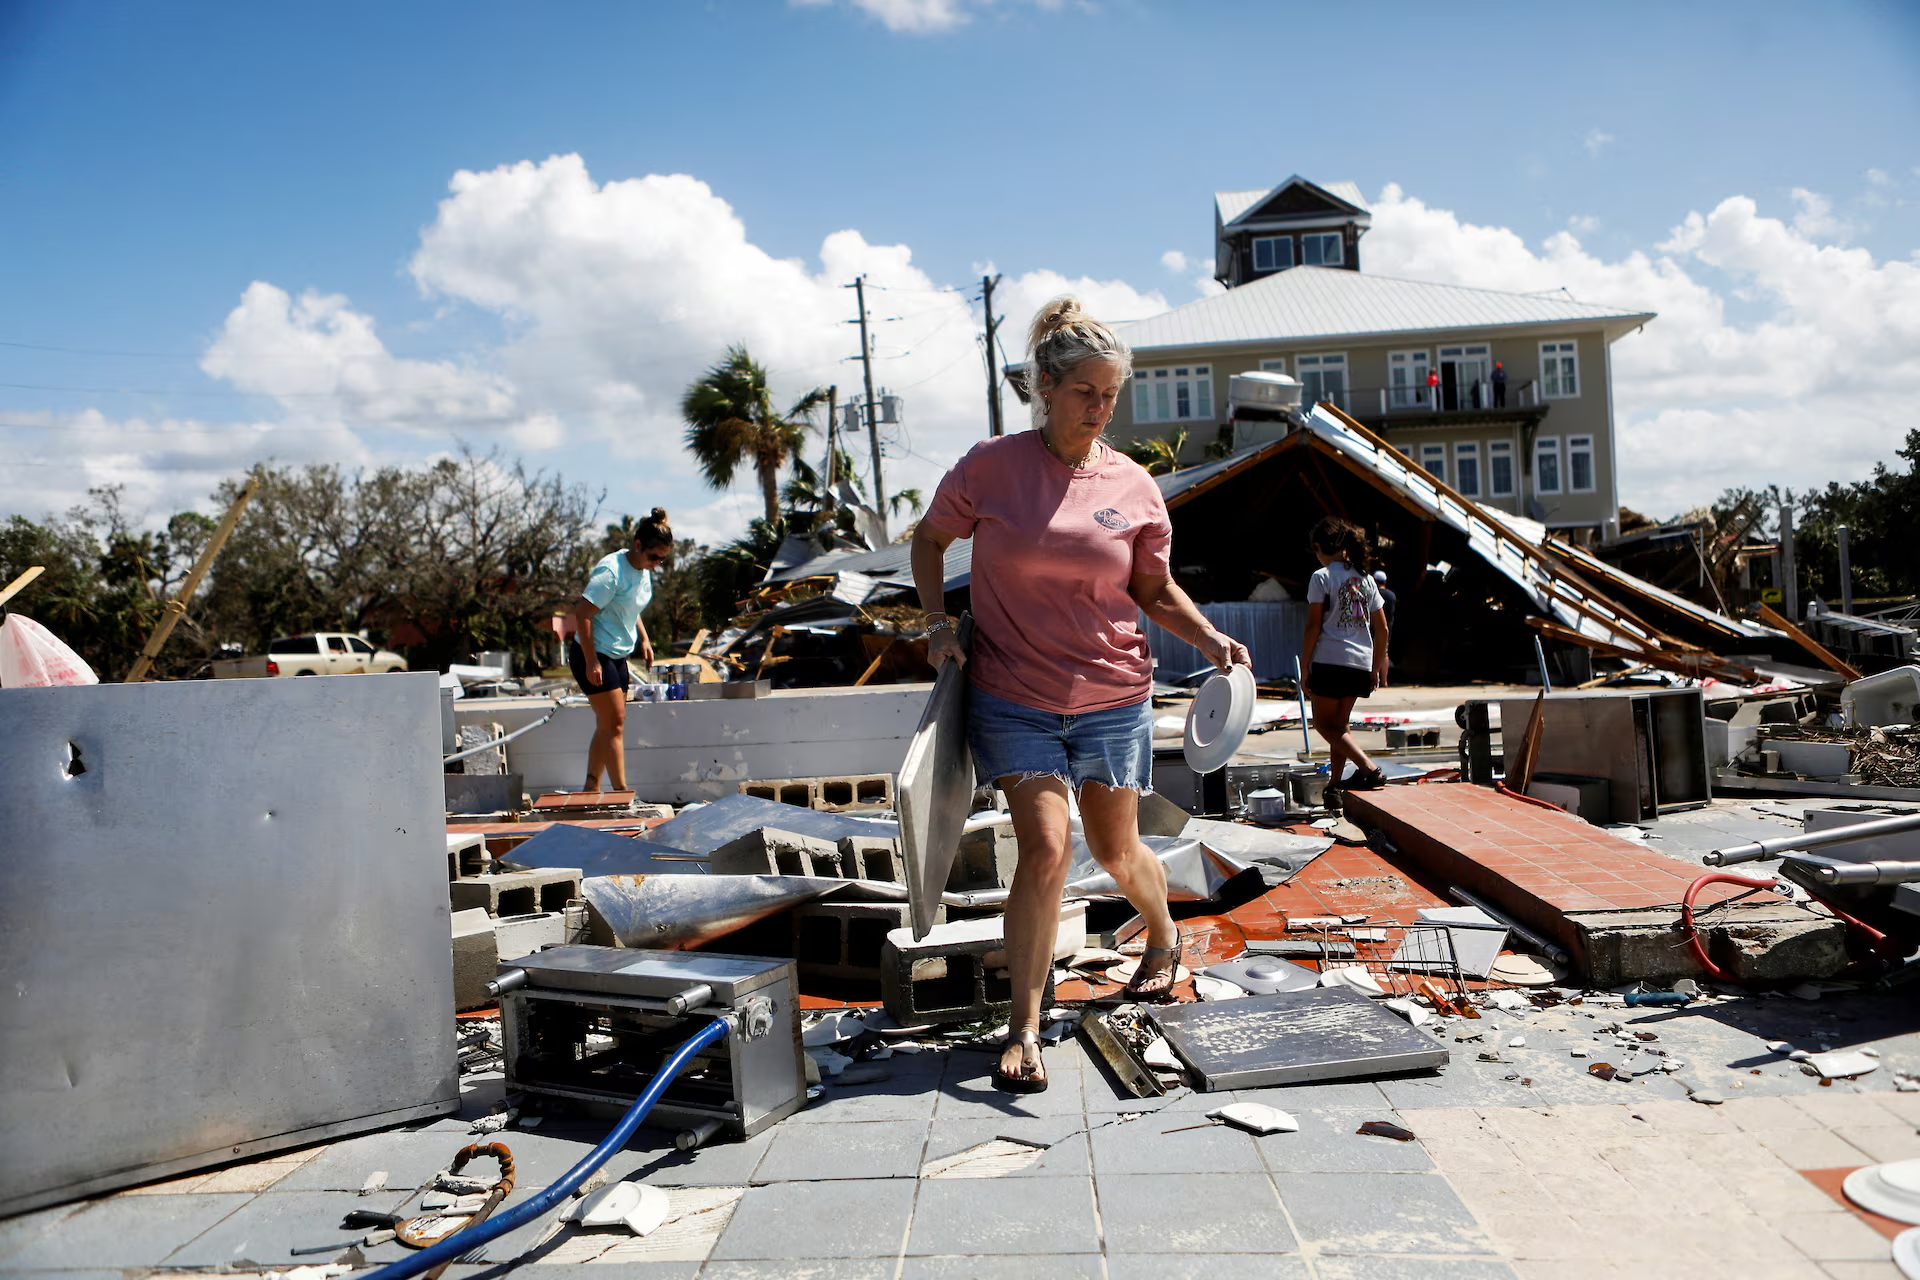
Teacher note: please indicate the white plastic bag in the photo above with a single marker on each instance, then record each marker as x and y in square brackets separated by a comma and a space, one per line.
[32, 657]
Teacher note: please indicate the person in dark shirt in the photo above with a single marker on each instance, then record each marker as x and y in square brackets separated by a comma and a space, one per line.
[1499, 385]
[1387, 599]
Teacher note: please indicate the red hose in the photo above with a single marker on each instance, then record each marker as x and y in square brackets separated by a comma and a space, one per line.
[1505, 790]
[1686, 916]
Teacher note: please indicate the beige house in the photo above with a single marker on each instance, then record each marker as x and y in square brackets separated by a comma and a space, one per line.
[1507, 397]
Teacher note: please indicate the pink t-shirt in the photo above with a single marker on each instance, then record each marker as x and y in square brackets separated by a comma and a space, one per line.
[1053, 551]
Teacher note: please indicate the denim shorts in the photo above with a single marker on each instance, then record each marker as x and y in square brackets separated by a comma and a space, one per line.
[1112, 747]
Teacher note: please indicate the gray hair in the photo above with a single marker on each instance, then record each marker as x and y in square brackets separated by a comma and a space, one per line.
[1064, 337]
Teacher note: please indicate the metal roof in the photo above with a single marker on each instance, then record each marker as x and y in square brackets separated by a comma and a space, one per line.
[1312, 303]
[1232, 204]
[890, 566]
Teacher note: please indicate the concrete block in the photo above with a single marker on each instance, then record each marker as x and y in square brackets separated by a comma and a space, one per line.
[798, 792]
[466, 855]
[986, 859]
[846, 941]
[771, 852]
[957, 973]
[476, 958]
[873, 858]
[1780, 951]
[516, 936]
[1758, 941]
[855, 791]
[517, 893]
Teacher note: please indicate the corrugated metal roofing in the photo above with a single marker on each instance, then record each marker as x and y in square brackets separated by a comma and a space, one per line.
[889, 566]
[1328, 302]
[1234, 203]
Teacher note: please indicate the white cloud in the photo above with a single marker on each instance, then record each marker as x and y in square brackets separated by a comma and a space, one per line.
[1816, 390]
[1816, 219]
[1879, 178]
[920, 17]
[1597, 141]
[1583, 224]
[1174, 261]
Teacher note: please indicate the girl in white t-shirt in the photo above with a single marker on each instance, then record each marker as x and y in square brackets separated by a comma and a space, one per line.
[1346, 646]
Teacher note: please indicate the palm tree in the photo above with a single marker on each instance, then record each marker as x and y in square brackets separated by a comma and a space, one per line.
[1160, 457]
[731, 419]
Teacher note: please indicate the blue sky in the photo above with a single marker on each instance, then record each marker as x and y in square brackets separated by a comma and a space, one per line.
[160, 159]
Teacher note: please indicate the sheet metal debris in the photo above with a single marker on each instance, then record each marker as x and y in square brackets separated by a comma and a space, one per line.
[1292, 1038]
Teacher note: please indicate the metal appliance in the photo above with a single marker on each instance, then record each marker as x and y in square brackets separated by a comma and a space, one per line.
[1649, 744]
[592, 1024]
[226, 926]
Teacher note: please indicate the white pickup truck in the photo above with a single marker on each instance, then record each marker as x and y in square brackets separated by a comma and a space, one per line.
[322, 653]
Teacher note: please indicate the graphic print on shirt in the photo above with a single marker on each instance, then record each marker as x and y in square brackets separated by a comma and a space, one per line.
[1350, 606]
[1111, 519]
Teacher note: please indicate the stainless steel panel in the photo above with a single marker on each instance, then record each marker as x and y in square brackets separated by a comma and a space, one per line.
[935, 789]
[1649, 744]
[1293, 1038]
[658, 974]
[228, 934]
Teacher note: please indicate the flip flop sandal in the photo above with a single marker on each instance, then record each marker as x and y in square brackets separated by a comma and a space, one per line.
[1029, 1079]
[1143, 974]
[1372, 780]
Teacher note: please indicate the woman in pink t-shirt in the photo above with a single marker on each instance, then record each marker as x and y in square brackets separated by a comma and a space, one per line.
[1070, 543]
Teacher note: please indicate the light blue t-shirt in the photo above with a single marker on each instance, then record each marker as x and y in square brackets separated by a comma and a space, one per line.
[621, 593]
[1346, 624]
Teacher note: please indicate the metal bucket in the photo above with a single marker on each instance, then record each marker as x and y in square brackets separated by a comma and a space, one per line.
[1309, 789]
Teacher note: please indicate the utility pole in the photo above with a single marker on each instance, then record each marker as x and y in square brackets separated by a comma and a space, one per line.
[1789, 575]
[994, 425]
[1846, 569]
[872, 407]
[833, 438]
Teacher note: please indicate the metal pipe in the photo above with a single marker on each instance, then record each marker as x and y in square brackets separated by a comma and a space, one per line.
[1513, 926]
[691, 998]
[697, 1136]
[504, 738]
[1765, 849]
[528, 1210]
[1831, 871]
[1846, 569]
[1540, 656]
[1300, 690]
[511, 980]
[1789, 573]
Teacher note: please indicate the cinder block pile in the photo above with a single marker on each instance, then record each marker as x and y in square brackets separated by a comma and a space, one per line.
[506, 915]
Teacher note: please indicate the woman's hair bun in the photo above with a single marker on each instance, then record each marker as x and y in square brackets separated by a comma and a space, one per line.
[659, 515]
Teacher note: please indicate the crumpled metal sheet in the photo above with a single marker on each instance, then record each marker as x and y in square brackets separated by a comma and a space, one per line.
[703, 829]
[1283, 849]
[601, 853]
[674, 912]
[1195, 873]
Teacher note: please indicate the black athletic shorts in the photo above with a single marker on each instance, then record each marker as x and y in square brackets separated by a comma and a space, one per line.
[1329, 680]
[613, 671]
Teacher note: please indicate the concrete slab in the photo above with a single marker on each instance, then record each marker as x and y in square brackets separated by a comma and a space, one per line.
[1005, 1216]
[1381, 1213]
[1067, 1156]
[123, 1231]
[1001, 1267]
[1146, 1146]
[1327, 1142]
[867, 1149]
[1338, 1268]
[790, 1269]
[1198, 1213]
[841, 1219]
[1206, 1266]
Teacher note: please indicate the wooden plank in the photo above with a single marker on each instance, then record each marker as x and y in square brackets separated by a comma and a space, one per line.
[875, 664]
[13, 588]
[1687, 664]
[1830, 659]
[176, 608]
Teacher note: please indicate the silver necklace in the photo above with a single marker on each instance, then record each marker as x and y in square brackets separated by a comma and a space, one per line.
[1046, 438]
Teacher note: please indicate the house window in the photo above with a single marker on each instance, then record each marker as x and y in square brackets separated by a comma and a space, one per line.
[1273, 253]
[1407, 380]
[1546, 464]
[1464, 377]
[1173, 395]
[1323, 378]
[1500, 468]
[1433, 457]
[1466, 469]
[1321, 250]
[1559, 370]
[1580, 463]
[1273, 366]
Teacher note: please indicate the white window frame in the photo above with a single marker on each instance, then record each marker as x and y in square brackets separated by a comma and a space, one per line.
[1548, 447]
[1465, 452]
[1433, 460]
[1321, 237]
[1276, 365]
[1254, 251]
[1160, 394]
[1583, 445]
[1560, 370]
[1412, 395]
[1499, 449]
[1317, 364]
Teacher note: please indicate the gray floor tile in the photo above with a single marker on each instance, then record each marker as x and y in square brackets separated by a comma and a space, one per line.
[1067, 1157]
[968, 1093]
[1195, 1213]
[1457, 1086]
[1001, 1267]
[1365, 1213]
[17, 1232]
[411, 1158]
[1330, 1095]
[123, 1231]
[1004, 1216]
[1327, 1143]
[720, 1164]
[879, 1102]
[869, 1149]
[1206, 1266]
[820, 1220]
[1333, 1268]
[790, 1269]
[594, 1271]
[101, 1273]
[1145, 1146]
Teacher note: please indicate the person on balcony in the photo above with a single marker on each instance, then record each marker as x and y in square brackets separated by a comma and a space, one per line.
[1499, 385]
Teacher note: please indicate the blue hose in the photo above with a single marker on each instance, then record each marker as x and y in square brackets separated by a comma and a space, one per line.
[521, 1214]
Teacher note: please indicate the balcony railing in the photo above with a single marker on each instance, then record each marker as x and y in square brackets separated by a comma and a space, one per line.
[1484, 396]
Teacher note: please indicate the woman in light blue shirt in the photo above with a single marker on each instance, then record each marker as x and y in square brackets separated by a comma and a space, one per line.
[608, 631]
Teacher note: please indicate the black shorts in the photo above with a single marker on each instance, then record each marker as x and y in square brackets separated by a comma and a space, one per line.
[613, 671]
[1329, 680]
